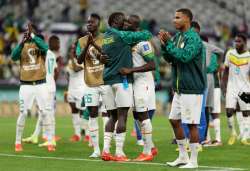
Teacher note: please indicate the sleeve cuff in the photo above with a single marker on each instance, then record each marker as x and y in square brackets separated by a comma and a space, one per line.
[32, 35]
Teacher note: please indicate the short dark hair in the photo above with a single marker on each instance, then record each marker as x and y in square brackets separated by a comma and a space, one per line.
[53, 38]
[196, 25]
[243, 36]
[95, 15]
[115, 17]
[138, 19]
[186, 12]
[35, 28]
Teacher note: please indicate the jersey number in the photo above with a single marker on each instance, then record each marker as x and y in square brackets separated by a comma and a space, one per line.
[88, 98]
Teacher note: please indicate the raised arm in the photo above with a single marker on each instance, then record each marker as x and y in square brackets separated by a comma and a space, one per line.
[131, 37]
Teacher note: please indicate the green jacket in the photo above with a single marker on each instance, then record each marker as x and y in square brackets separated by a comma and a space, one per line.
[116, 44]
[16, 53]
[213, 65]
[187, 55]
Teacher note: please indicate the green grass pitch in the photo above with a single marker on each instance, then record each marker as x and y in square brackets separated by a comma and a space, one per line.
[74, 156]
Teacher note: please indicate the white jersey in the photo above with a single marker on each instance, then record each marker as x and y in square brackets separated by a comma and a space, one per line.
[143, 86]
[142, 53]
[50, 65]
[76, 79]
[239, 68]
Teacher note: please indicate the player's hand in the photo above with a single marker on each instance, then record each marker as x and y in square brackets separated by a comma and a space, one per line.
[125, 71]
[65, 95]
[164, 36]
[104, 58]
[72, 51]
[30, 28]
[25, 37]
[90, 38]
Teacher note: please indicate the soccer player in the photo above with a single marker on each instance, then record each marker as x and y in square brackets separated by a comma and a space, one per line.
[51, 75]
[213, 55]
[187, 55]
[235, 81]
[143, 87]
[118, 93]
[75, 94]
[93, 75]
[32, 52]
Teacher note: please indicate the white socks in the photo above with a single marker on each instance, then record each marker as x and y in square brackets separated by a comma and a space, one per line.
[119, 142]
[94, 133]
[231, 125]
[107, 141]
[245, 126]
[194, 152]
[182, 148]
[217, 129]
[146, 131]
[38, 126]
[208, 134]
[105, 120]
[20, 126]
[239, 117]
[76, 123]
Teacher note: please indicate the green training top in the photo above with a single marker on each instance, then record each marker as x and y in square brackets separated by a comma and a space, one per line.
[116, 44]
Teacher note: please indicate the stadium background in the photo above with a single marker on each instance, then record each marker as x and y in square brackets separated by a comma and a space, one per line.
[220, 21]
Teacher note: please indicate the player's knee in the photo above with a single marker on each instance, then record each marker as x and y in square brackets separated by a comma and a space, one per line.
[121, 127]
[93, 112]
[215, 115]
[143, 116]
[174, 123]
[229, 112]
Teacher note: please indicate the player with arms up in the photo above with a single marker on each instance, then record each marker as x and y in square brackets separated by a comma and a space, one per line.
[32, 52]
[88, 52]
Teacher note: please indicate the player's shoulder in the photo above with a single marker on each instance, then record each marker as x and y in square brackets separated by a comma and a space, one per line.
[50, 54]
[145, 45]
[83, 38]
[231, 51]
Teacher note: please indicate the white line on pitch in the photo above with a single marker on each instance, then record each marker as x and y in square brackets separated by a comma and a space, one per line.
[95, 160]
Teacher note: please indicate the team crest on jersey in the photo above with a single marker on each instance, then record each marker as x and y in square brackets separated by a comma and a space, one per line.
[146, 47]
[182, 45]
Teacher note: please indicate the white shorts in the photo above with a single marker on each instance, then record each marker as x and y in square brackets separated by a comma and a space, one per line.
[115, 96]
[92, 95]
[144, 96]
[210, 91]
[217, 101]
[77, 96]
[29, 93]
[187, 108]
[102, 108]
[232, 97]
[152, 98]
